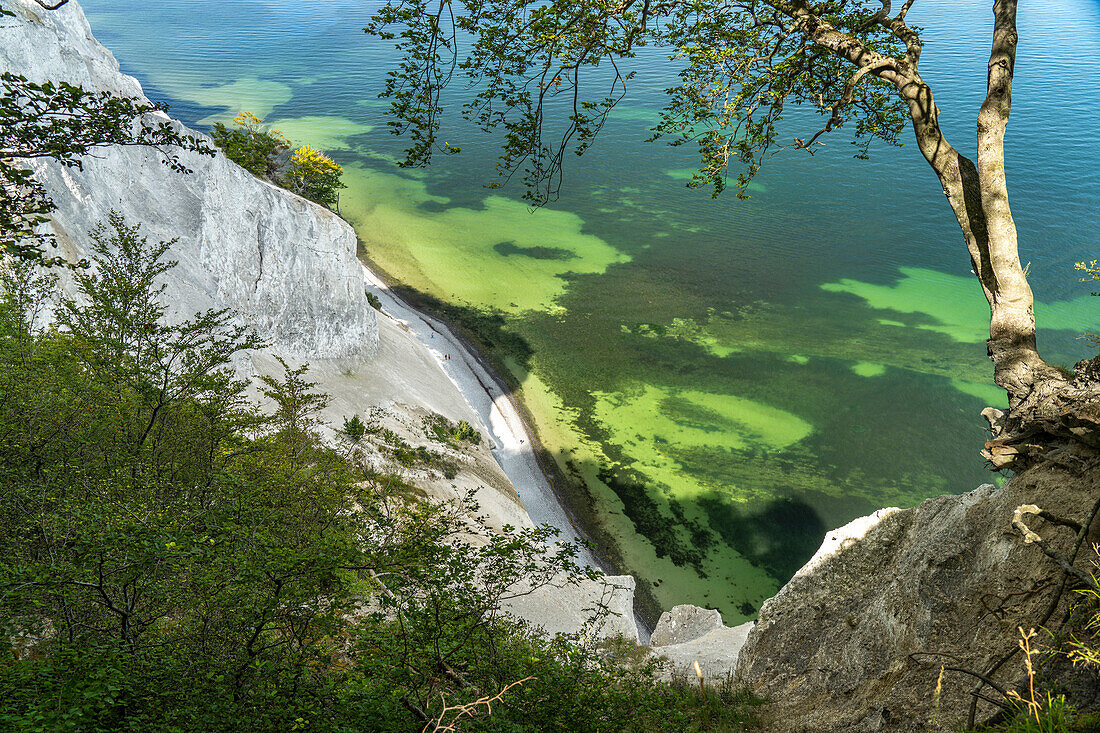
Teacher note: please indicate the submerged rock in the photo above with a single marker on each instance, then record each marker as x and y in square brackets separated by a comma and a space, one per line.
[855, 641]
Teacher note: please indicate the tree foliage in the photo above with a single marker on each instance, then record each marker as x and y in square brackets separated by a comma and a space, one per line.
[314, 175]
[741, 65]
[249, 145]
[306, 171]
[64, 122]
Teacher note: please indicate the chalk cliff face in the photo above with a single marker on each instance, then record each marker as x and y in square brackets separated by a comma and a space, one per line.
[287, 266]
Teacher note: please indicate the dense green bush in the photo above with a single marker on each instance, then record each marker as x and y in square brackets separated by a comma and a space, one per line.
[313, 174]
[453, 434]
[250, 146]
[354, 428]
[173, 560]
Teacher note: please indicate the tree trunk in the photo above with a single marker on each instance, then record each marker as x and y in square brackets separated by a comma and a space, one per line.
[1046, 406]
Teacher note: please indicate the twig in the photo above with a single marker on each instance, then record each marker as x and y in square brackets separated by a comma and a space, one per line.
[466, 710]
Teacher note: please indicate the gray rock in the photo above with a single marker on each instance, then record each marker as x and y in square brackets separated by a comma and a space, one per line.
[716, 652]
[684, 623]
[560, 608]
[855, 641]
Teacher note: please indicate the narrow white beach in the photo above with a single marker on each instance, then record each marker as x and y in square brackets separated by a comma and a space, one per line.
[513, 445]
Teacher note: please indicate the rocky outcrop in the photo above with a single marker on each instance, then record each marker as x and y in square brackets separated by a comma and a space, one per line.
[855, 641]
[690, 635]
[285, 265]
[684, 623]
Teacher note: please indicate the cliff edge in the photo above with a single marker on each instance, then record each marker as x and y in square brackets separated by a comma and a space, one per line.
[857, 639]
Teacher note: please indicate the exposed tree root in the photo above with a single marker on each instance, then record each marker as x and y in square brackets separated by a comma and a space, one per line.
[1058, 421]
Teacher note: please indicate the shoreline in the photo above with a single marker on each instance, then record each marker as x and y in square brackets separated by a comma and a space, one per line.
[516, 445]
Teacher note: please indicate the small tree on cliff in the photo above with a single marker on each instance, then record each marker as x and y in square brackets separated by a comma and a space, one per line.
[314, 175]
[742, 61]
[259, 151]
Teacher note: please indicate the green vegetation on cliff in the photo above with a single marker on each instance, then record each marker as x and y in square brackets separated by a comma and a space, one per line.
[266, 153]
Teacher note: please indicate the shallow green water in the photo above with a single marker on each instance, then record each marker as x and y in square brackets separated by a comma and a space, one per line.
[730, 378]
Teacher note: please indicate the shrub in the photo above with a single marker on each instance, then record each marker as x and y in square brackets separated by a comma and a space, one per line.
[307, 172]
[1042, 708]
[354, 428]
[449, 433]
[314, 175]
[248, 145]
[465, 431]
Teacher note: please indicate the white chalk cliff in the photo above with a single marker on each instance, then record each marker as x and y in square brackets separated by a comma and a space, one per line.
[286, 266]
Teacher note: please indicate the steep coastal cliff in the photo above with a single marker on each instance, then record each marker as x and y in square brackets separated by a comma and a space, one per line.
[286, 266]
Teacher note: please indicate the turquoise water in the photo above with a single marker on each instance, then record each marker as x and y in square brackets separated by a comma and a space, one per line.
[726, 380]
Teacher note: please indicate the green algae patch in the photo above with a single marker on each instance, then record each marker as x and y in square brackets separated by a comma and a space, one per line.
[678, 419]
[954, 304]
[688, 329]
[1077, 315]
[681, 174]
[324, 132]
[990, 394]
[666, 544]
[869, 369]
[637, 114]
[493, 257]
[248, 94]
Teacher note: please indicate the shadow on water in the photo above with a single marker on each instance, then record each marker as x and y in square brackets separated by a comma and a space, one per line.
[485, 329]
[536, 253]
[779, 536]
